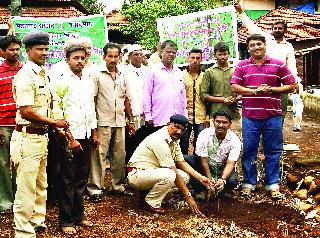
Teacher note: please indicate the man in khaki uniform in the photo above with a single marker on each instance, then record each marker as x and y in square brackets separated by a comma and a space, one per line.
[153, 166]
[28, 146]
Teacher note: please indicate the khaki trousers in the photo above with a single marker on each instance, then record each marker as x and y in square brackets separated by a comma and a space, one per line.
[112, 139]
[159, 181]
[29, 155]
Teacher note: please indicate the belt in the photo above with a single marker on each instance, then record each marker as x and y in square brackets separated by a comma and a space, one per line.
[32, 130]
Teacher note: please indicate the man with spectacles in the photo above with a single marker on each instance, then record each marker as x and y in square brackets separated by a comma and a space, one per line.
[157, 165]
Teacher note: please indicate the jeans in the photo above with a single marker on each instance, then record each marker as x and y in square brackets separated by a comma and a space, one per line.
[184, 141]
[271, 131]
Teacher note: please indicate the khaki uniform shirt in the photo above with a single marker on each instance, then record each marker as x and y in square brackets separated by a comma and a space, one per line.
[110, 95]
[157, 150]
[216, 82]
[30, 88]
[193, 97]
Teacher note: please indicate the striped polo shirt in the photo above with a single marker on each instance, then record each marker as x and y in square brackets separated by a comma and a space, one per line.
[7, 103]
[272, 72]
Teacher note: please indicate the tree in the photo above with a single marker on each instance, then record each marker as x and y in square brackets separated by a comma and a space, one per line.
[15, 7]
[91, 5]
[142, 16]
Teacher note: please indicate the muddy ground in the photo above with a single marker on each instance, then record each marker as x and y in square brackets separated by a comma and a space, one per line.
[226, 216]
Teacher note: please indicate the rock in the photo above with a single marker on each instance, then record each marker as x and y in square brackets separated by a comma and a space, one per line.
[304, 206]
[317, 198]
[308, 180]
[311, 162]
[313, 187]
[292, 179]
[302, 194]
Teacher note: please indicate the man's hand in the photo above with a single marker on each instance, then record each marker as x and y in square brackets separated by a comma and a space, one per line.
[238, 8]
[194, 207]
[208, 183]
[132, 128]
[95, 141]
[75, 146]
[263, 89]
[61, 123]
[229, 100]
[219, 185]
[149, 123]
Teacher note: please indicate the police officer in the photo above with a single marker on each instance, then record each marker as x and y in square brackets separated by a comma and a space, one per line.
[28, 146]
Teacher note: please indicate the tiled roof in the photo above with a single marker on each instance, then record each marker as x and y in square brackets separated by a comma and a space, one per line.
[42, 12]
[116, 18]
[300, 24]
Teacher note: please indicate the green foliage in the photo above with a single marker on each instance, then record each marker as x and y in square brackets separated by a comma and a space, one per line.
[142, 16]
[91, 6]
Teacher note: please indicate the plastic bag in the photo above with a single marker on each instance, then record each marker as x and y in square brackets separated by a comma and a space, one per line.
[297, 109]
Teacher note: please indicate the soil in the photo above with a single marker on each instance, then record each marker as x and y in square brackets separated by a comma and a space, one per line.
[227, 216]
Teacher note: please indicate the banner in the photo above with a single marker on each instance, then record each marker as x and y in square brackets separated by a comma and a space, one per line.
[201, 30]
[61, 29]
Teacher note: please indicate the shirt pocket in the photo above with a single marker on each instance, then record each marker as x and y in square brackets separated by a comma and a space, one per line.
[42, 96]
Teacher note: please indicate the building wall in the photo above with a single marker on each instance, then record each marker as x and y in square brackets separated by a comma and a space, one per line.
[258, 4]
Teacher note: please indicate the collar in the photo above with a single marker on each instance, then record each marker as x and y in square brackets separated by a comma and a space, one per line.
[161, 66]
[69, 73]
[266, 59]
[227, 138]
[36, 68]
[168, 138]
[105, 69]
[216, 65]
[6, 65]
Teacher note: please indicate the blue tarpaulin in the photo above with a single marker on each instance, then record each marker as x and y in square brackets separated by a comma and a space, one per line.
[308, 7]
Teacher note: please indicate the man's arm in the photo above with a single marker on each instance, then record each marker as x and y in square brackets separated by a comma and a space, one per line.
[230, 166]
[239, 89]
[128, 111]
[146, 98]
[205, 166]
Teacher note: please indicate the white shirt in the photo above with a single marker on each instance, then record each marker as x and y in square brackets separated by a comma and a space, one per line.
[135, 78]
[208, 146]
[283, 50]
[73, 99]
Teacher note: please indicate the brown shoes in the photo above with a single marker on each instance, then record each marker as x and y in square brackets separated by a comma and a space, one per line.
[158, 210]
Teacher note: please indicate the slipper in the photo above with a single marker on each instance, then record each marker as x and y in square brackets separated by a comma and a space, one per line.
[85, 223]
[246, 192]
[69, 230]
[275, 194]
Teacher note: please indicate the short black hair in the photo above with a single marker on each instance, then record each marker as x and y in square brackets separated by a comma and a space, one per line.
[196, 51]
[285, 26]
[221, 46]
[74, 48]
[169, 43]
[222, 113]
[255, 37]
[111, 46]
[8, 40]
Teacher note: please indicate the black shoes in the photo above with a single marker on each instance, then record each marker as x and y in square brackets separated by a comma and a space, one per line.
[96, 198]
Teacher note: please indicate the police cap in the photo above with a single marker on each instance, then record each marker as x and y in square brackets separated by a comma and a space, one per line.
[36, 38]
[179, 119]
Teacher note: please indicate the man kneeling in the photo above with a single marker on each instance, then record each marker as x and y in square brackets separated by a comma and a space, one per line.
[153, 166]
[217, 151]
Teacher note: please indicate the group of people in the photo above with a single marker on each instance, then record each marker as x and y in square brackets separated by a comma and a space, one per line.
[141, 119]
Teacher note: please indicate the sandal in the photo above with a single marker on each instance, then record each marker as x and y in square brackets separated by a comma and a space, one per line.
[85, 223]
[246, 192]
[275, 194]
[69, 230]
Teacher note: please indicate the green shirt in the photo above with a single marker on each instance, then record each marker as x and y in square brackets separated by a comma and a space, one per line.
[216, 82]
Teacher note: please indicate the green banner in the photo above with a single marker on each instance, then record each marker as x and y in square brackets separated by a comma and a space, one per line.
[61, 29]
[201, 30]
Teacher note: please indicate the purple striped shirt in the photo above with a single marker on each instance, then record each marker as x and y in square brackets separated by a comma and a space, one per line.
[272, 72]
[164, 94]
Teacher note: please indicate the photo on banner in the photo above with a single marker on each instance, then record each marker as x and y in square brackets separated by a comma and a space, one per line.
[62, 29]
[201, 30]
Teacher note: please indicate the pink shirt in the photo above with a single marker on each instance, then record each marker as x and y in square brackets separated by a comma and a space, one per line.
[272, 72]
[164, 94]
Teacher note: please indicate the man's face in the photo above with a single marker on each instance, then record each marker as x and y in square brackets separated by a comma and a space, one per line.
[112, 57]
[76, 61]
[175, 130]
[88, 48]
[222, 57]
[221, 124]
[278, 31]
[169, 54]
[195, 59]
[38, 54]
[136, 58]
[257, 49]
[12, 53]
